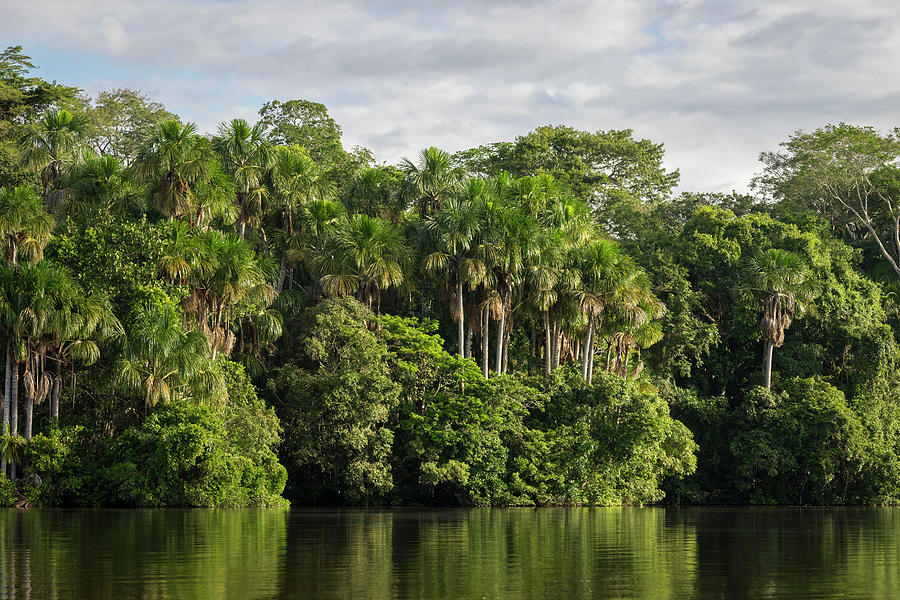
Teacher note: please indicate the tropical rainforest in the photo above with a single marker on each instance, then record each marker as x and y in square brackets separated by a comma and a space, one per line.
[259, 315]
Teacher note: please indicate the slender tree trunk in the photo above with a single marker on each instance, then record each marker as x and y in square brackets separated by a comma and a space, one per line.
[485, 340]
[588, 340]
[54, 397]
[462, 319]
[590, 359]
[5, 407]
[265, 240]
[557, 345]
[501, 324]
[281, 273]
[14, 411]
[767, 359]
[29, 413]
[547, 342]
[14, 399]
[469, 335]
[627, 356]
[506, 333]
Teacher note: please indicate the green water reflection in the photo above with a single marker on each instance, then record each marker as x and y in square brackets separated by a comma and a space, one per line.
[485, 553]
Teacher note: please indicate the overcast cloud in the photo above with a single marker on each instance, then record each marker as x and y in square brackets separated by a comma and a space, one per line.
[716, 81]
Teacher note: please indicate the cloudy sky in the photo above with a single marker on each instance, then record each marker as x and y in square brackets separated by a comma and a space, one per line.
[717, 81]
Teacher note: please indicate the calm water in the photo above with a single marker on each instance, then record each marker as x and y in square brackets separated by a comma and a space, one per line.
[499, 553]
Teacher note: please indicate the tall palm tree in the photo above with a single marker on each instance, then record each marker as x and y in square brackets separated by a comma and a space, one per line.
[782, 280]
[75, 337]
[364, 255]
[297, 181]
[164, 361]
[228, 282]
[25, 225]
[431, 179]
[453, 239]
[173, 159]
[246, 155]
[603, 270]
[52, 143]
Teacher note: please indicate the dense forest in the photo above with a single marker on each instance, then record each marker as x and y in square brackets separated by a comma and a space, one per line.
[259, 315]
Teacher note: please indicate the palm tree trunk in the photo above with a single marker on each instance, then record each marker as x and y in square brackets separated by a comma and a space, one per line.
[5, 408]
[546, 342]
[590, 359]
[627, 356]
[767, 359]
[54, 397]
[14, 399]
[588, 340]
[265, 241]
[469, 334]
[506, 344]
[462, 319]
[281, 273]
[485, 340]
[29, 413]
[501, 324]
[557, 342]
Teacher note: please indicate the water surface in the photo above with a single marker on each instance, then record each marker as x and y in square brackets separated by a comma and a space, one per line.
[567, 554]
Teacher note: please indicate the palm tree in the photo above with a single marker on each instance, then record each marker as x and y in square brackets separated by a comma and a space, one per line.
[24, 224]
[213, 198]
[547, 277]
[75, 337]
[602, 268]
[453, 238]
[103, 183]
[164, 361]
[173, 159]
[297, 181]
[431, 179]
[364, 255]
[374, 192]
[228, 282]
[782, 279]
[246, 155]
[51, 143]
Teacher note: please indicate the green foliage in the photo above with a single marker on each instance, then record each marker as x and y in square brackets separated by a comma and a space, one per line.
[606, 168]
[801, 445]
[119, 118]
[120, 257]
[59, 469]
[334, 398]
[7, 492]
[22, 98]
[181, 456]
[308, 124]
[614, 441]
[490, 442]
[536, 258]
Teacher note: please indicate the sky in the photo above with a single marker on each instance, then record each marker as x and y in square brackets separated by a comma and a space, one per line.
[716, 81]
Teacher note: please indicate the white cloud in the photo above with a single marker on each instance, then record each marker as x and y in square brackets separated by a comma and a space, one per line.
[716, 81]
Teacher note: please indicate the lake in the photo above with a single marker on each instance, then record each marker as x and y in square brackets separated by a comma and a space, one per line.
[565, 553]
